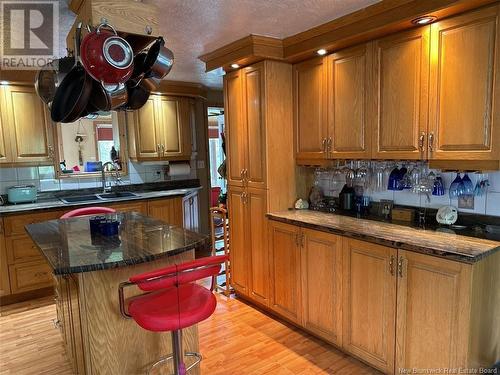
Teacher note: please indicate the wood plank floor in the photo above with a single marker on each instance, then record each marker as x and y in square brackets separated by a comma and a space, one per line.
[237, 339]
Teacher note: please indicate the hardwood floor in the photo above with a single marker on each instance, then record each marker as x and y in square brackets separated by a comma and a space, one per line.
[237, 339]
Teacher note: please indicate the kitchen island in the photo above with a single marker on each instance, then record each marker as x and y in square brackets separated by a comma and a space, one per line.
[88, 270]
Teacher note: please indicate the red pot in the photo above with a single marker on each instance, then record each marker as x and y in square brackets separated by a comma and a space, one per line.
[107, 57]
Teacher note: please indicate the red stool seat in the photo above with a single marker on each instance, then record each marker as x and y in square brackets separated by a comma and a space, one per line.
[174, 308]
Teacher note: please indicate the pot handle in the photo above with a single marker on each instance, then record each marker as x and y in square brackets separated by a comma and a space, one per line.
[78, 37]
[105, 24]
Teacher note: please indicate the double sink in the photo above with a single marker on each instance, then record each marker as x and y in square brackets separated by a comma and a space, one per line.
[99, 197]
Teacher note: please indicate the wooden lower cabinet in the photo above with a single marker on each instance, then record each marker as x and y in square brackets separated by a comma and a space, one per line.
[4, 268]
[139, 206]
[168, 210]
[369, 307]
[249, 247]
[432, 312]
[29, 276]
[393, 309]
[284, 246]
[321, 276]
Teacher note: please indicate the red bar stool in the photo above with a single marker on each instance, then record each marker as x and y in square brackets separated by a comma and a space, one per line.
[173, 301]
[88, 211]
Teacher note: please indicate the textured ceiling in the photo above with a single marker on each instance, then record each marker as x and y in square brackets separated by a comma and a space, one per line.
[195, 27]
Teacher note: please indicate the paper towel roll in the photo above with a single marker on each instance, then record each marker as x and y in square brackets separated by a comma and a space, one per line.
[179, 169]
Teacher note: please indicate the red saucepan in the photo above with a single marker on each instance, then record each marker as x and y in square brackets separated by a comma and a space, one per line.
[107, 57]
[72, 95]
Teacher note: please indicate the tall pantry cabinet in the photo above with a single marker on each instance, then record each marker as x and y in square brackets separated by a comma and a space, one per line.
[260, 170]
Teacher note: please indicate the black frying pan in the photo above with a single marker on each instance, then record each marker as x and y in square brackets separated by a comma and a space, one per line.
[73, 93]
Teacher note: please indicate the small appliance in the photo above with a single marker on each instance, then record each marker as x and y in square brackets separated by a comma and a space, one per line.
[21, 194]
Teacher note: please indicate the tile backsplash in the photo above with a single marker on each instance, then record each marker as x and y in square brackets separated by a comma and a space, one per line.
[44, 178]
[487, 204]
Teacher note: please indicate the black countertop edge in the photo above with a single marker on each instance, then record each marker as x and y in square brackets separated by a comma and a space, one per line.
[124, 263]
[380, 241]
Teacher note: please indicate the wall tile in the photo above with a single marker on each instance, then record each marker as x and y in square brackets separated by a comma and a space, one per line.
[69, 184]
[406, 198]
[479, 205]
[493, 203]
[27, 173]
[436, 201]
[30, 182]
[377, 196]
[4, 185]
[494, 179]
[8, 174]
[88, 183]
[137, 178]
[153, 176]
[46, 172]
[50, 185]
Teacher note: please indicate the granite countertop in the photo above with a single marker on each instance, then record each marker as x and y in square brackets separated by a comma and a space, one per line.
[69, 247]
[52, 202]
[444, 245]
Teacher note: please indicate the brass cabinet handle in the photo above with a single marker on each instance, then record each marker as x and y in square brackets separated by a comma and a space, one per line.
[158, 148]
[163, 149]
[431, 141]
[329, 144]
[244, 196]
[246, 173]
[400, 267]
[421, 140]
[51, 151]
[242, 172]
[323, 144]
[57, 323]
[391, 265]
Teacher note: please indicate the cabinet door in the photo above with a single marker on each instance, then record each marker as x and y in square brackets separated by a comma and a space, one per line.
[147, 136]
[432, 298]
[321, 271]
[5, 154]
[310, 114]
[190, 212]
[349, 85]
[369, 303]
[285, 270]
[167, 210]
[141, 207]
[236, 135]
[175, 138]
[29, 125]
[257, 242]
[253, 89]
[240, 253]
[464, 113]
[4, 268]
[401, 72]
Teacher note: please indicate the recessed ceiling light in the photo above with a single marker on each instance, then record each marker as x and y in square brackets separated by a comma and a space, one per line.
[321, 52]
[424, 20]
[4, 82]
[235, 66]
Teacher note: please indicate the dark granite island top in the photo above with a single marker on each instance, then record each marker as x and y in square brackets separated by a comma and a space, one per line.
[445, 245]
[69, 247]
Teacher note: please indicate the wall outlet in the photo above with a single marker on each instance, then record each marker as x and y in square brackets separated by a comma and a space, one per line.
[466, 201]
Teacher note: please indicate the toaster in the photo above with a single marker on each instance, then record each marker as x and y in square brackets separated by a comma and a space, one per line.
[21, 194]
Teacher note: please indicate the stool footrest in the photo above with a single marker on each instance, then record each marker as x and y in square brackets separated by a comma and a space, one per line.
[163, 360]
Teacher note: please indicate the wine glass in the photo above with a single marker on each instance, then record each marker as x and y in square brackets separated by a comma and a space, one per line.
[455, 188]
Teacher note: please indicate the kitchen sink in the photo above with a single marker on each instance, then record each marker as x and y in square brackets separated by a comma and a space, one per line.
[81, 198]
[117, 194]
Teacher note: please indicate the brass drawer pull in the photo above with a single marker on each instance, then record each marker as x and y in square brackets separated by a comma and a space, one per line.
[391, 265]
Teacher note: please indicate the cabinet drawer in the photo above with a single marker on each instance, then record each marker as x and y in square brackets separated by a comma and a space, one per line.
[21, 249]
[15, 224]
[30, 276]
[141, 207]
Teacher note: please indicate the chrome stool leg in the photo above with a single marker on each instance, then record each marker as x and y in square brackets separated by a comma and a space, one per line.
[177, 356]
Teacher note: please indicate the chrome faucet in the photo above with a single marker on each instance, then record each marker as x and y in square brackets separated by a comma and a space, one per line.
[103, 175]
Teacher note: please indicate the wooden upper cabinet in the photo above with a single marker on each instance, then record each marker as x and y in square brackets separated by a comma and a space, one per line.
[369, 308]
[161, 129]
[235, 127]
[174, 116]
[432, 297]
[401, 95]
[464, 112]
[321, 272]
[29, 126]
[284, 246]
[5, 154]
[253, 98]
[147, 130]
[349, 84]
[310, 112]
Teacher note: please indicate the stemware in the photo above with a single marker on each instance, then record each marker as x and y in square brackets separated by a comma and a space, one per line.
[438, 188]
[394, 179]
[455, 188]
[467, 185]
